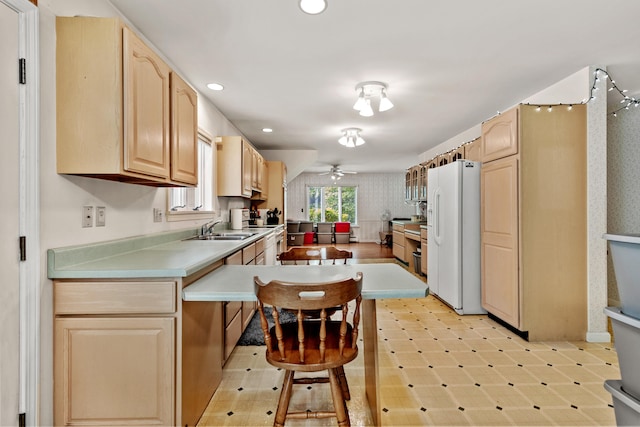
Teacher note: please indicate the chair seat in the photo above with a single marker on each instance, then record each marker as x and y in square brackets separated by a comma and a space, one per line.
[312, 362]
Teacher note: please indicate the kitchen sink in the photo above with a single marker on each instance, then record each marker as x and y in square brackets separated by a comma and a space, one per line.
[223, 236]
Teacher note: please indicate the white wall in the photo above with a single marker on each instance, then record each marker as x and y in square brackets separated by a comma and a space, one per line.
[377, 192]
[128, 207]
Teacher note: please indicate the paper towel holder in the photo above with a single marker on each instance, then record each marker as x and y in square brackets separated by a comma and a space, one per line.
[239, 218]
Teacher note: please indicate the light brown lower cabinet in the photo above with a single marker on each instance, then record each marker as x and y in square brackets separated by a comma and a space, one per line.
[131, 352]
[398, 242]
[115, 371]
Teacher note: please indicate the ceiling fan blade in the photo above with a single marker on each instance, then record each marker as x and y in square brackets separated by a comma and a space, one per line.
[324, 173]
[353, 172]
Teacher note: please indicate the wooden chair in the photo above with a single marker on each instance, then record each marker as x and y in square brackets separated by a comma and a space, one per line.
[319, 255]
[311, 345]
[314, 255]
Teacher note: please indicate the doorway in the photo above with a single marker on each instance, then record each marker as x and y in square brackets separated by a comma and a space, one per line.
[19, 329]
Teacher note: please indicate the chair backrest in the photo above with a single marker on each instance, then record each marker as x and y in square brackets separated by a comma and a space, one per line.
[322, 254]
[309, 296]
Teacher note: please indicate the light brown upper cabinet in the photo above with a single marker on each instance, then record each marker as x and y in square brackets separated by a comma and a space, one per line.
[184, 132]
[533, 221]
[256, 171]
[500, 136]
[456, 154]
[115, 116]
[234, 166]
[472, 151]
[422, 190]
[408, 185]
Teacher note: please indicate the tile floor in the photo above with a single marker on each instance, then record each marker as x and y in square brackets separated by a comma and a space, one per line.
[438, 368]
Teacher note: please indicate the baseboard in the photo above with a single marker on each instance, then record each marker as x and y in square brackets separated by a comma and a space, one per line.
[598, 337]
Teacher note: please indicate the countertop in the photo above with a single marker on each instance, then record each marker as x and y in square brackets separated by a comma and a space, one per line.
[235, 282]
[157, 255]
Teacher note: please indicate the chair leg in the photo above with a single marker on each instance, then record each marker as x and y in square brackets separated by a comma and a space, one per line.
[283, 402]
[338, 399]
[342, 379]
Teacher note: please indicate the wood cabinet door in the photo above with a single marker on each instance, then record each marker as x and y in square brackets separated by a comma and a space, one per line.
[499, 230]
[247, 168]
[114, 371]
[184, 132]
[146, 109]
[472, 151]
[415, 182]
[265, 182]
[407, 185]
[423, 183]
[499, 136]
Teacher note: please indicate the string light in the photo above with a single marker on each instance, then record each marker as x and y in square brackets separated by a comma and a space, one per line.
[628, 101]
[599, 73]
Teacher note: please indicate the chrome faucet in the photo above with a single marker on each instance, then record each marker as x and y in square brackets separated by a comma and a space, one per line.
[207, 228]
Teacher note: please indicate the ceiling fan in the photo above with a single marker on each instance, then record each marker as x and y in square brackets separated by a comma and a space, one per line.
[336, 172]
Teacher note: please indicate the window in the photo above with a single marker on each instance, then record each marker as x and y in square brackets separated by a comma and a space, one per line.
[331, 204]
[187, 203]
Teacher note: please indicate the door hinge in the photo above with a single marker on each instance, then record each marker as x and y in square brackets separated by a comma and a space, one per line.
[22, 420]
[23, 248]
[22, 71]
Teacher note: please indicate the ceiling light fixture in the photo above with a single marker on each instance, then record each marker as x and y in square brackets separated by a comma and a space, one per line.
[313, 7]
[372, 90]
[351, 137]
[215, 86]
[267, 130]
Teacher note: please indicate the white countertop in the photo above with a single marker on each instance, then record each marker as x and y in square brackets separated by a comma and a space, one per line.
[235, 282]
[160, 255]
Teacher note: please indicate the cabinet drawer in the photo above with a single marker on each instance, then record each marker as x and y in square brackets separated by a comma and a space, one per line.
[260, 259]
[260, 246]
[423, 233]
[114, 297]
[398, 227]
[230, 310]
[398, 238]
[232, 335]
[398, 251]
[249, 253]
[234, 259]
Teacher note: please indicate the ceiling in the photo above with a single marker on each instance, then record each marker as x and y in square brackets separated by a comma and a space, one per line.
[449, 64]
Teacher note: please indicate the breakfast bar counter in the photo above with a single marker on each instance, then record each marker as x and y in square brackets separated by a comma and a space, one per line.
[384, 280]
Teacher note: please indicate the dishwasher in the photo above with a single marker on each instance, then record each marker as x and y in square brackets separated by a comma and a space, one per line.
[270, 249]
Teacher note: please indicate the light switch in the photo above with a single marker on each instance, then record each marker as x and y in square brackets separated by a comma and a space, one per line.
[101, 216]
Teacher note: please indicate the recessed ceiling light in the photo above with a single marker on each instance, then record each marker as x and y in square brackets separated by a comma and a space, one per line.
[215, 86]
[313, 7]
[267, 130]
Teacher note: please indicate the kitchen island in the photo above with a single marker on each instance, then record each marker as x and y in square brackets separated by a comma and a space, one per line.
[385, 280]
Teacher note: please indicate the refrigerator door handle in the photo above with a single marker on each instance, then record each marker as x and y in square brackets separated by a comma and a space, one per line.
[436, 217]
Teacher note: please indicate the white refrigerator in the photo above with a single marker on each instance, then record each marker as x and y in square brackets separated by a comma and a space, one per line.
[453, 235]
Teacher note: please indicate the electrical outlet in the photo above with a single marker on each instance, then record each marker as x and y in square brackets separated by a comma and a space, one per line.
[157, 215]
[101, 216]
[87, 216]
